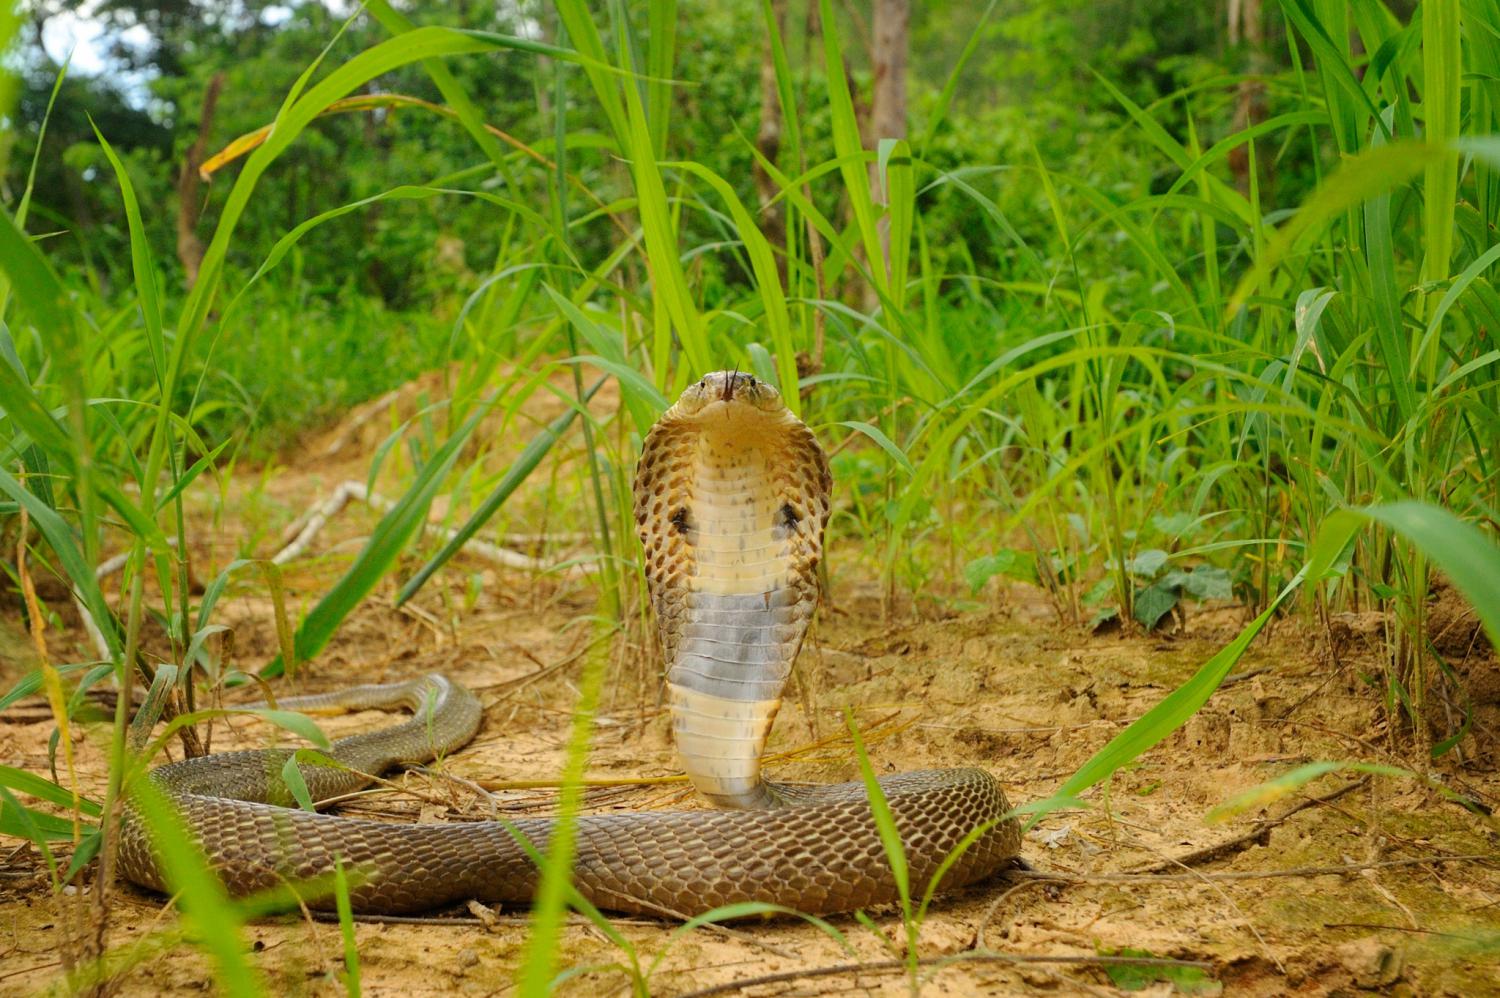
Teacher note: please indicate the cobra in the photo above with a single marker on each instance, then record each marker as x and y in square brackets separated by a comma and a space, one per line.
[732, 494]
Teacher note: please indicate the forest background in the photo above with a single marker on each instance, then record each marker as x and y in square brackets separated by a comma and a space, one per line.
[1096, 204]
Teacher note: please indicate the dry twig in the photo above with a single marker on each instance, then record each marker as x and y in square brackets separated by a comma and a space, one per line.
[308, 526]
[1299, 871]
[1259, 835]
[886, 966]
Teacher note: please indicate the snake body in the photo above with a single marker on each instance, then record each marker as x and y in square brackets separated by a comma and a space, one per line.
[731, 498]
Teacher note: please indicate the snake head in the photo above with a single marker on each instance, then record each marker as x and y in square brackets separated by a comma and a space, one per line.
[731, 388]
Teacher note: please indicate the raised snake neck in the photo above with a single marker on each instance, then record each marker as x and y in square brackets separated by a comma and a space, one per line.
[731, 497]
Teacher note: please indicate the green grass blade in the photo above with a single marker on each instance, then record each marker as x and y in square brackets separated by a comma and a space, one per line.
[346, 930]
[46, 303]
[405, 192]
[1364, 176]
[641, 397]
[556, 887]
[584, 36]
[1470, 559]
[660, 56]
[140, 259]
[786, 90]
[1163, 140]
[901, 207]
[668, 283]
[380, 553]
[846, 142]
[1331, 51]
[1167, 716]
[44, 789]
[24, 204]
[950, 85]
[30, 683]
[885, 443]
[746, 909]
[767, 280]
[517, 473]
[1290, 782]
[453, 92]
[79, 570]
[416, 45]
[39, 827]
[890, 835]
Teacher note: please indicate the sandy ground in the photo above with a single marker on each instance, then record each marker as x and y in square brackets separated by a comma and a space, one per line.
[1002, 686]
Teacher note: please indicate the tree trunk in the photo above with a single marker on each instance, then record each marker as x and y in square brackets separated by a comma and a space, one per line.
[888, 119]
[1245, 25]
[888, 102]
[189, 207]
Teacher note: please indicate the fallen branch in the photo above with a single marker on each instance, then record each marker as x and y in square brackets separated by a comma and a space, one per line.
[1300, 871]
[1260, 835]
[307, 527]
[465, 921]
[101, 646]
[35, 709]
[107, 567]
[884, 966]
[362, 419]
[989, 913]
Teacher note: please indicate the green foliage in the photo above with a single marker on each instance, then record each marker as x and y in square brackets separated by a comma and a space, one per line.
[1011, 563]
[1159, 587]
[1127, 344]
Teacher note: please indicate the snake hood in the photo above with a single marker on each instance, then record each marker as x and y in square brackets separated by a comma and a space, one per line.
[731, 497]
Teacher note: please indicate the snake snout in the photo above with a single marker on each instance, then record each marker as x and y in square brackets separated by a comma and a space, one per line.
[734, 389]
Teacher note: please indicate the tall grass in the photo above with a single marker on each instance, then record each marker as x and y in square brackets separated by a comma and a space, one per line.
[1163, 380]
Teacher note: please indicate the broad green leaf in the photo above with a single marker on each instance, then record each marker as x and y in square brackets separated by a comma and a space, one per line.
[1147, 564]
[1153, 603]
[1209, 582]
[1013, 564]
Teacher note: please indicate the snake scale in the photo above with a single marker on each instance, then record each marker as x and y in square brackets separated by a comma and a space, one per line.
[731, 499]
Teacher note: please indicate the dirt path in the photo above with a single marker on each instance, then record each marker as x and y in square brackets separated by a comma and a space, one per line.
[1003, 687]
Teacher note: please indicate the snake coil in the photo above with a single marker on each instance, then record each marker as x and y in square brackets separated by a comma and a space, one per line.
[731, 498]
